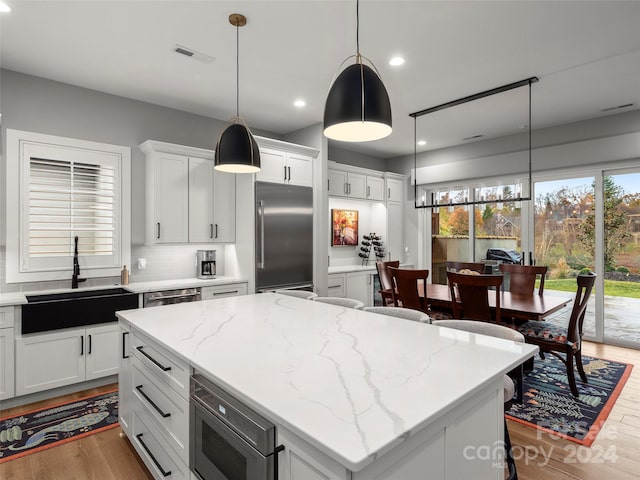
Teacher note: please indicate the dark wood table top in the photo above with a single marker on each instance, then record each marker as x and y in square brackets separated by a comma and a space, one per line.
[528, 307]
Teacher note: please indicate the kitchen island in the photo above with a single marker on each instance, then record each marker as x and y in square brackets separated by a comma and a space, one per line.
[353, 394]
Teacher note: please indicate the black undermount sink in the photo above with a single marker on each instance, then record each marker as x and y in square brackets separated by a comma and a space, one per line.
[54, 311]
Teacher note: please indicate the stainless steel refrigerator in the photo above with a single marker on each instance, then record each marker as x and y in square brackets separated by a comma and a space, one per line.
[284, 236]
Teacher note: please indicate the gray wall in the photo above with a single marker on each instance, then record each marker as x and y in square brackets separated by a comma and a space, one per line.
[602, 127]
[339, 155]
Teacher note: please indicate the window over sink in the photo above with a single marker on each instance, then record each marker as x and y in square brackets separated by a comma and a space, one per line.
[59, 188]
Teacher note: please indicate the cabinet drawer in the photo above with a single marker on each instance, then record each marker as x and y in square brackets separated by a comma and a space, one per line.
[335, 285]
[148, 441]
[164, 404]
[173, 371]
[220, 291]
[6, 317]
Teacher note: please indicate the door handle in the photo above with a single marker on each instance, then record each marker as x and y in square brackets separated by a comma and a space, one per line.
[346, 190]
[89, 352]
[285, 174]
[81, 345]
[289, 170]
[388, 193]
[216, 236]
[124, 348]
[211, 230]
[158, 231]
[261, 217]
[368, 191]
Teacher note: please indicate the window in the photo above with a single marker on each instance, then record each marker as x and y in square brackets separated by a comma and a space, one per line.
[57, 189]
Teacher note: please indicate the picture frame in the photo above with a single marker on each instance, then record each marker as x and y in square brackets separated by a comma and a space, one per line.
[344, 228]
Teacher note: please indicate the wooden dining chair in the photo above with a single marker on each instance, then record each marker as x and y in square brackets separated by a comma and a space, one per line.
[386, 282]
[472, 291]
[457, 266]
[405, 287]
[522, 278]
[558, 340]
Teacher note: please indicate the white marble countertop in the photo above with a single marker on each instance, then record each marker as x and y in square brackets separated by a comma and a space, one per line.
[19, 298]
[353, 384]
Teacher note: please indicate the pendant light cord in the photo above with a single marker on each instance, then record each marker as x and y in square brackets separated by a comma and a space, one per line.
[358, 28]
[237, 70]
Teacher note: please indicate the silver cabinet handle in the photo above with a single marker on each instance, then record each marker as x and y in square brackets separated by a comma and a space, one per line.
[211, 230]
[230, 292]
[261, 217]
[285, 174]
[388, 193]
[328, 185]
[345, 188]
[289, 170]
[216, 236]
[368, 191]
[158, 230]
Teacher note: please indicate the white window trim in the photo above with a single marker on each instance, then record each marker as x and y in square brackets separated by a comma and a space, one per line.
[16, 208]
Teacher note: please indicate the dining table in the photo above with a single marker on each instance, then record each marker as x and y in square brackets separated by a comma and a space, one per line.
[526, 307]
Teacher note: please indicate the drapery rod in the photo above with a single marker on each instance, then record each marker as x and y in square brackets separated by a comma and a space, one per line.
[476, 96]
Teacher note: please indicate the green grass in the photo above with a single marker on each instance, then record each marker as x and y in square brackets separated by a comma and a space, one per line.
[611, 287]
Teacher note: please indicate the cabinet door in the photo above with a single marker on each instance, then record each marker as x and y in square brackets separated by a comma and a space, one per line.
[272, 166]
[171, 198]
[224, 207]
[336, 285]
[102, 352]
[394, 249]
[299, 170]
[7, 367]
[357, 185]
[124, 378]
[337, 183]
[394, 190]
[49, 360]
[375, 188]
[360, 287]
[201, 200]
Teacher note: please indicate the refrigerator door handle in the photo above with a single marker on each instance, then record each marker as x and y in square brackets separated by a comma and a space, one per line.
[261, 216]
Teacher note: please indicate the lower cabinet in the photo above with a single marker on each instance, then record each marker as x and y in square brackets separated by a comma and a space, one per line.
[51, 360]
[7, 366]
[157, 405]
[124, 379]
[356, 285]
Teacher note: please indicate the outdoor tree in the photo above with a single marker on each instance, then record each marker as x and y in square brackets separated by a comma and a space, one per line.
[615, 223]
[459, 221]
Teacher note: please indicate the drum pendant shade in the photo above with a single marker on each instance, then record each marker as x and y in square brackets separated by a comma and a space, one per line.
[357, 107]
[237, 151]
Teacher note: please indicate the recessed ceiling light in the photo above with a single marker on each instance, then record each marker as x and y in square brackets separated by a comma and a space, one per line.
[4, 8]
[300, 103]
[396, 61]
[422, 142]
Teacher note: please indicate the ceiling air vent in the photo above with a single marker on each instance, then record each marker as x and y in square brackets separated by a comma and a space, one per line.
[473, 137]
[618, 107]
[188, 52]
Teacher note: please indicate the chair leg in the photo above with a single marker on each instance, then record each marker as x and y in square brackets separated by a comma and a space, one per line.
[583, 376]
[571, 375]
[511, 463]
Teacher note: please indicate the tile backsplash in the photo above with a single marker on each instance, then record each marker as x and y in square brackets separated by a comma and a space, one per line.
[165, 262]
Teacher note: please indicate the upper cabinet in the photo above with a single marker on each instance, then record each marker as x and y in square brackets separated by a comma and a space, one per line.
[282, 162]
[394, 190]
[186, 200]
[352, 182]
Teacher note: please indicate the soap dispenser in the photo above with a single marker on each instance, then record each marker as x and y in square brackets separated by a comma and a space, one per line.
[124, 276]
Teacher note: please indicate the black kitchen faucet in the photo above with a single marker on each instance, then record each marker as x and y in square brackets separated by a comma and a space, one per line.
[76, 267]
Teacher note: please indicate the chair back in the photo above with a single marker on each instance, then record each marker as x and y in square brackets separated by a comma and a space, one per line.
[400, 312]
[341, 302]
[297, 293]
[522, 278]
[405, 287]
[574, 330]
[386, 282]
[473, 293]
[482, 328]
[457, 266]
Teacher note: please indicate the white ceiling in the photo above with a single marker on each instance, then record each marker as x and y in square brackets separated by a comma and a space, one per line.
[585, 53]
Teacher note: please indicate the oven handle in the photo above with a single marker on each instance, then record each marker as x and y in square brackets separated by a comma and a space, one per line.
[157, 463]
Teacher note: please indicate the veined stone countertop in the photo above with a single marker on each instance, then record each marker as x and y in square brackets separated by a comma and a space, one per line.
[19, 298]
[353, 384]
[358, 268]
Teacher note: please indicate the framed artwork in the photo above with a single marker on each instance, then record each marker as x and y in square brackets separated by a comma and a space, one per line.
[344, 228]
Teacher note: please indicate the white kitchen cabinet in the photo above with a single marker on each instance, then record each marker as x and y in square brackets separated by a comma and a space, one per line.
[7, 367]
[375, 188]
[124, 378]
[352, 184]
[212, 212]
[360, 287]
[393, 247]
[49, 360]
[186, 200]
[395, 190]
[168, 197]
[336, 285]
[284, 167]
[220, 291]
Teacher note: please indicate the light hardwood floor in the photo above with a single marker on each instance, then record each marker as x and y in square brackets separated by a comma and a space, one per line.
[613, 456]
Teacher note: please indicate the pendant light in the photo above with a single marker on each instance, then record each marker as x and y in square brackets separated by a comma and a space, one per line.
[357, 108]
[237, 150]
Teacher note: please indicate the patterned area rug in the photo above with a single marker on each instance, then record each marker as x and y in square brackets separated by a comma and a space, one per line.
[52, 426]
[549, 405]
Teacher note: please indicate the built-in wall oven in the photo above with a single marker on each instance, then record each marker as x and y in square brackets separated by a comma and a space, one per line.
[229, 441]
